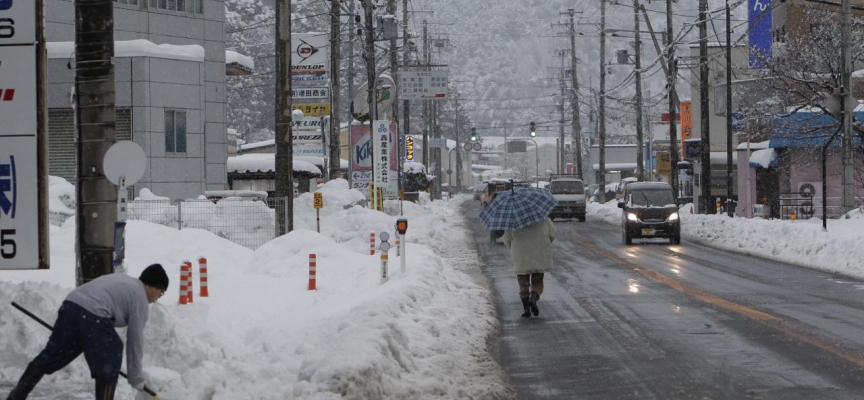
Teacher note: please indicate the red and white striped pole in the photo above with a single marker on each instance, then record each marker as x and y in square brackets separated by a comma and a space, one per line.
[202, 273]
[183, 286]
[372, 244]
[313, 265]
[189, 283]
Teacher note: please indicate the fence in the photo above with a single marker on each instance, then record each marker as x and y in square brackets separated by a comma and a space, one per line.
[249, 222]
[806, 207]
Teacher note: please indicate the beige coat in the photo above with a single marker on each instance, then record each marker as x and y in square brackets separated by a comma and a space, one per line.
[531, 247]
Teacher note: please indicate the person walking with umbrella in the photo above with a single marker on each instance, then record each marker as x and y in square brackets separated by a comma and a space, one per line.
[523, 215]
[531, 251]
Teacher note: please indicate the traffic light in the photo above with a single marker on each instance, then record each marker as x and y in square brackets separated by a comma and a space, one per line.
[533, 129]
[473, 134]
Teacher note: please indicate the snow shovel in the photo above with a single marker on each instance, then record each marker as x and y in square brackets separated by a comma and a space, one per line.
[51, 328]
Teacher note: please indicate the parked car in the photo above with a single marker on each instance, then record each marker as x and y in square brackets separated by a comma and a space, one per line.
[622, 186]
[649, 211]
[569, 191]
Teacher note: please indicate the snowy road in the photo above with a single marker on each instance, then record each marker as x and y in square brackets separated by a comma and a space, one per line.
[655, 321]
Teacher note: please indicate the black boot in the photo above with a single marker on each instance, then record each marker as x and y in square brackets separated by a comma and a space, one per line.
[32, 375]
[104, 390]
[526, 306]
[532, 302]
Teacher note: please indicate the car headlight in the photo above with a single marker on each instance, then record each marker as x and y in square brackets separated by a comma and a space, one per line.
[632, 217]
[673, 217]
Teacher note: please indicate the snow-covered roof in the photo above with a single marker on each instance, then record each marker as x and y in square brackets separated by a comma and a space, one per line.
[237, 64]
[266, 163]
[616, 166]
[753, 146]
[135, 48]
[258, 145]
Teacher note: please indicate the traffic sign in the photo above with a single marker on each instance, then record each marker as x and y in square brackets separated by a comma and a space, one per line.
[318, 202]
[449, 171]
[478, 146]
[467, 146]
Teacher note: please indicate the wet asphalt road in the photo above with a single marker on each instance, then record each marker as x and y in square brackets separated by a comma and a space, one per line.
[655, 321]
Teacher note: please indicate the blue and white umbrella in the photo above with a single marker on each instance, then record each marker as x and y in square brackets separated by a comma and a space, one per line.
[516, 209]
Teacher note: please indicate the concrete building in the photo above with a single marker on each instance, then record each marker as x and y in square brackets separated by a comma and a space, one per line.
[170, 66]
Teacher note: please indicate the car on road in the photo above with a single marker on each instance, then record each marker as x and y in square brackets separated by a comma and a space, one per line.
[649, 211]
[569, 191]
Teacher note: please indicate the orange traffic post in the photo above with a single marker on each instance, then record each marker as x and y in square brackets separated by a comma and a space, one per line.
[312, 269]
[372, 244]
[183, 277]
[202, 272]
[189, 284]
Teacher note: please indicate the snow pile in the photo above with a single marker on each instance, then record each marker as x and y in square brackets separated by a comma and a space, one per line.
[799, 242]
[261, 334]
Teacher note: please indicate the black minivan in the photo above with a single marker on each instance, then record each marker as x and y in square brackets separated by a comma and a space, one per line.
[649, 211]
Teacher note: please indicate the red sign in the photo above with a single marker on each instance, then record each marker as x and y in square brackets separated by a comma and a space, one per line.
[7, 94]
[665, 117]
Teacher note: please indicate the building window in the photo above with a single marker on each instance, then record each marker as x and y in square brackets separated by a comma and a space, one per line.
[185, 6]
[175, 131]
[129, 2]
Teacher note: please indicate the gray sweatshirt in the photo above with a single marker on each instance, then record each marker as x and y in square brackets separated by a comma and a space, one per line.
[121, 297]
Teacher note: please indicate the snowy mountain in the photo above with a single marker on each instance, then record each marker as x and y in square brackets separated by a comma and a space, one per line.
[504, 57]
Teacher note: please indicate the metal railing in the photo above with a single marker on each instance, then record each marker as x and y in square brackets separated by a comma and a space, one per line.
[806, 207]
[249, 222]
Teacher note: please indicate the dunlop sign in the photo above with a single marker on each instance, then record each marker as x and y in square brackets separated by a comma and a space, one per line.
[409, 147]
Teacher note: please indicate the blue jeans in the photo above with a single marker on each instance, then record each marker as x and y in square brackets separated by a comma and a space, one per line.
[78, 330]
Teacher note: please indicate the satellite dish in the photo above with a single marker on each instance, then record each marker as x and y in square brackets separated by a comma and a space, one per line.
[124, 158]
[360, 102]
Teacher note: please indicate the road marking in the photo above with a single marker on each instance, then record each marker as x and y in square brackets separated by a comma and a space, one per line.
[772, 321]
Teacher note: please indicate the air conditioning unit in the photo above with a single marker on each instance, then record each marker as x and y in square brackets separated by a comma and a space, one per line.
[811, 199]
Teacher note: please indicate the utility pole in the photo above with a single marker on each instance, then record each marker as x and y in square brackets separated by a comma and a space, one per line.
[397, 84]
[673, 74]
[458, 129]
[729, 113]
[406, 107]
[352, 75]
[601, 181]
[640, 142]
[335, 64]
[95, 123]
[847, 104]
[284, 142]
[369, 56]
[704, 124]
[574, 99]
[563, 85]
[426, 103]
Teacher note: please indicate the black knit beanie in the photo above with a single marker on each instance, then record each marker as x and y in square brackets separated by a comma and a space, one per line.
[155, 276]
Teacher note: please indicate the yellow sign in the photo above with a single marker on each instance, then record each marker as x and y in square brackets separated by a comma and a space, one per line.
[312, 109]
[409, 147]
[686, 120]
[319, 201]
[664, 163]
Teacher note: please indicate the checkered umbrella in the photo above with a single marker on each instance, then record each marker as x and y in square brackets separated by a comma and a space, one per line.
[514, 210]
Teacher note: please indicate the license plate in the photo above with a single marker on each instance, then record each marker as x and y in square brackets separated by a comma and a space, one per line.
[567, 210]
[648, 231]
